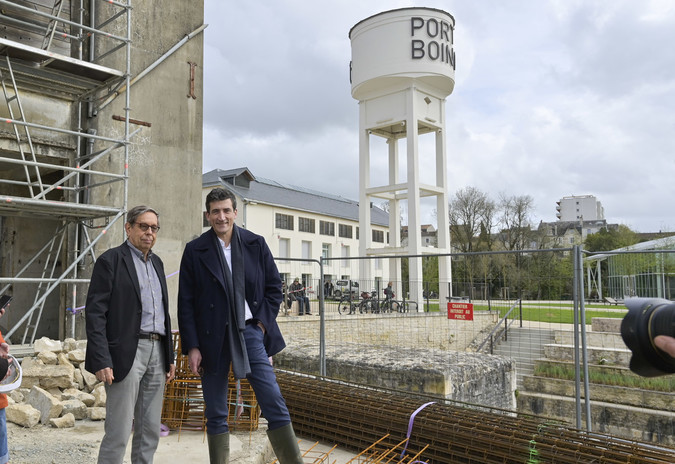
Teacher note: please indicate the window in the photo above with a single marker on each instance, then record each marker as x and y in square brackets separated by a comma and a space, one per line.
[327, 228]
[284, 248]
[306, 225]
[378, 236]
[345, 254]
[205, 222]
[306, 249]
[345, 231]
[325, 251]
[357, 232]
[284, 221]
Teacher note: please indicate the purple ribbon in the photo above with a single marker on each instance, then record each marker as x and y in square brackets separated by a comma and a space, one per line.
[410, 426]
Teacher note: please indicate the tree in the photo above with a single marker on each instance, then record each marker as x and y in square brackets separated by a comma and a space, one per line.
[469, 209]
[607, 240]
[515, 218]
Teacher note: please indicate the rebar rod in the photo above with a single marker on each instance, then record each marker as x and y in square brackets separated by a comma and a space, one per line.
[355, 417]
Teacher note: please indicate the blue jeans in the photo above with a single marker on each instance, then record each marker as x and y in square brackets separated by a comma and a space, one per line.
[262, 379]
[4, 450]
[303, 300]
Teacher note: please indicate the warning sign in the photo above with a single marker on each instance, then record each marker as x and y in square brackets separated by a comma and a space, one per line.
[462, 311]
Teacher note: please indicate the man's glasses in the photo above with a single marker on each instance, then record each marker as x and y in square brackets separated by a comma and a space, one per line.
[144, 227]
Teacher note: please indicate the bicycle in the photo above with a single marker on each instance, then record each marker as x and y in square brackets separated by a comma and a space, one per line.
[368, 303]
[389, 305]
[348, 305]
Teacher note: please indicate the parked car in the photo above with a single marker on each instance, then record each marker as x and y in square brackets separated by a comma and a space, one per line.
[342, 287]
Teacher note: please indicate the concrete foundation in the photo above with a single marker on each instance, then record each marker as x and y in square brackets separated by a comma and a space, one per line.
[403, 353]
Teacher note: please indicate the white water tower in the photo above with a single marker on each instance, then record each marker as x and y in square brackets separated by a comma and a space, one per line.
[402, 69]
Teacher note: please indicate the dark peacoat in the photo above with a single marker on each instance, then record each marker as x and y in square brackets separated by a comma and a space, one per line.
[202, 301]
[113, 313]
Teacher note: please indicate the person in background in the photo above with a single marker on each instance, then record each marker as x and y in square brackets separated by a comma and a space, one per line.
[389, 291]
[297, 291]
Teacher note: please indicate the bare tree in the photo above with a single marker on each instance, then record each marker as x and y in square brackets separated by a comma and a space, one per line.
[469, 210]
[515, 219]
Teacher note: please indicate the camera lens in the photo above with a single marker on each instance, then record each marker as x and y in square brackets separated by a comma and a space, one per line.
[646, 319]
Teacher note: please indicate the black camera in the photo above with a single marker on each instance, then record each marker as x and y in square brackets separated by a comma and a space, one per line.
[647, 318]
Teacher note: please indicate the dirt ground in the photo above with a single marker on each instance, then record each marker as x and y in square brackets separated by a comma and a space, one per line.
[79, 445]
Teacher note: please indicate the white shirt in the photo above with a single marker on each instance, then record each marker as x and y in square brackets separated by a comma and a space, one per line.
[227, 250]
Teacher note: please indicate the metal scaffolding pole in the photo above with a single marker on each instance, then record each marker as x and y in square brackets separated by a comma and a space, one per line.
[66, 196]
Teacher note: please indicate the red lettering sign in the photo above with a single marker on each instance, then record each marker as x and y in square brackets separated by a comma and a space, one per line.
[460, 311]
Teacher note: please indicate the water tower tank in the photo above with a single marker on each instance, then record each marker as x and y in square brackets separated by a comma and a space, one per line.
[395, 47]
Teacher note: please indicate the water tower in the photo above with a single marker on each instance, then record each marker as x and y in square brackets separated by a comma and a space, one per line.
[402, 69]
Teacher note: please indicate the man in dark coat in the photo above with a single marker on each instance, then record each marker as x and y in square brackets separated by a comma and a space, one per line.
[129, 345]
[228, 300]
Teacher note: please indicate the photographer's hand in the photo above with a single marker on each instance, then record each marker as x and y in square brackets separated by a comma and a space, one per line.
[665, 343]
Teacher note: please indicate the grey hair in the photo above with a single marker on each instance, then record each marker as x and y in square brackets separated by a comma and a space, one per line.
[136, 211]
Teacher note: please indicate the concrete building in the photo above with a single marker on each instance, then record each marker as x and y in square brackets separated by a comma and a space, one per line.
[569, 233]
[579, 208]
[429, 235]
[303, 224]
[104, 104]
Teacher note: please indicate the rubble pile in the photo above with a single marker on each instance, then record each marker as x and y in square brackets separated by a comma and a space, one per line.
[56, 389]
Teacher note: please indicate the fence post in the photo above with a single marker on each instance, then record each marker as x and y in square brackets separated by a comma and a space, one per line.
[322, 322]
[579, 275]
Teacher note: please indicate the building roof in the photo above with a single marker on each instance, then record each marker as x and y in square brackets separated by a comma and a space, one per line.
[665, 243]
[270, 192]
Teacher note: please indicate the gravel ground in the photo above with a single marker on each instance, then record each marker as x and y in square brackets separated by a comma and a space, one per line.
[79, 445]
[47, 445]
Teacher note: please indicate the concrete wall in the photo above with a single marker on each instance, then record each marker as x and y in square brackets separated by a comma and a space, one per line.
[422, 353]
[165, 160]
[164, 166]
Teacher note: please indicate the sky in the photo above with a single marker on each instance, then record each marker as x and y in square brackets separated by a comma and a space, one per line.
[552, 98]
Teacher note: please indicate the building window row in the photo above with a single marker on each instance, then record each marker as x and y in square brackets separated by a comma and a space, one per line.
[284, 221]
[345, 230]
[306, 225]
[327, 228]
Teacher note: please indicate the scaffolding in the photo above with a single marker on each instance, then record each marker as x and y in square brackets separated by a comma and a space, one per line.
[59, 171]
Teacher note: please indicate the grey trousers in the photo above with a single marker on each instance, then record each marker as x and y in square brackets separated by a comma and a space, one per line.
[135, 402]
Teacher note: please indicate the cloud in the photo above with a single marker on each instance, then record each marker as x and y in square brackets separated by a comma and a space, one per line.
[552, 98]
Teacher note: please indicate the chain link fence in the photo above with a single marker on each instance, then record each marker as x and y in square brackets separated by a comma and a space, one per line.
[535, 307]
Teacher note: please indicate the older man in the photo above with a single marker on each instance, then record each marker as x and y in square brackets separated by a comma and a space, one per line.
[129, 344]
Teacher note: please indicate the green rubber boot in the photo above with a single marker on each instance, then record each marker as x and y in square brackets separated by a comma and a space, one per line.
[285, 445]
[219, 448]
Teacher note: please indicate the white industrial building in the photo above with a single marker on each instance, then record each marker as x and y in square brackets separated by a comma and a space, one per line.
[303, 224]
